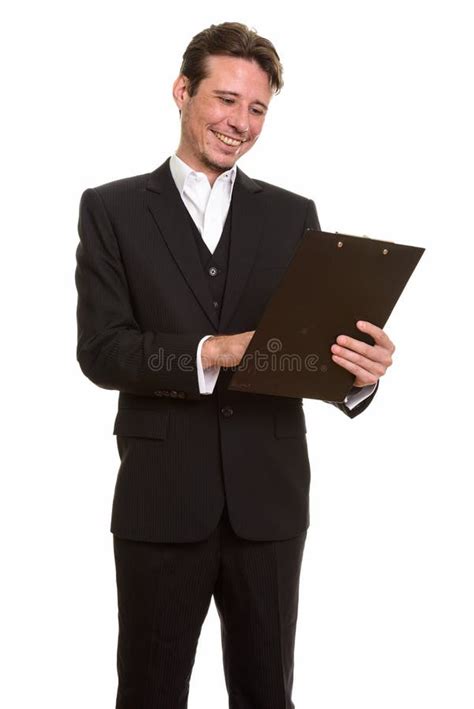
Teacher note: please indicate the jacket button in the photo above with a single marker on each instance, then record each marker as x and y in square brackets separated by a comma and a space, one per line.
[227, 411]
[213, 271]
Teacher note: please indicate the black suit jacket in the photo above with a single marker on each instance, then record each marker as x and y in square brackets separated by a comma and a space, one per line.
[143, 306]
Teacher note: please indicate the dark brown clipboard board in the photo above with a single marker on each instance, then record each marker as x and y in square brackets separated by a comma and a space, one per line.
[332, 281]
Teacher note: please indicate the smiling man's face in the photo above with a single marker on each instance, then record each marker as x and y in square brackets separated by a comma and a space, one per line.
[224, 118]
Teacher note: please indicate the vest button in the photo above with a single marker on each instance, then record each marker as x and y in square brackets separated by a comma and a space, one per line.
[213, 271]
[227, 411]
[215, 304]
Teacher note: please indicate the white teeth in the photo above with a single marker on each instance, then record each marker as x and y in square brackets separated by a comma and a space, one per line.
[226, 140]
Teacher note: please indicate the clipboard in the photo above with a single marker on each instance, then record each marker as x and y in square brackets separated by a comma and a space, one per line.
[332, 281]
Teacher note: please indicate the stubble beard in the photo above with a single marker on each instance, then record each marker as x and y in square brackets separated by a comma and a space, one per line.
[214, 166]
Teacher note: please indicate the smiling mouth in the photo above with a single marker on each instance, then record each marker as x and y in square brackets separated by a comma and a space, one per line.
[232, 142]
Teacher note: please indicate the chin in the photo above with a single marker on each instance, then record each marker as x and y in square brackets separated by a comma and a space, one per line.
[220, 162]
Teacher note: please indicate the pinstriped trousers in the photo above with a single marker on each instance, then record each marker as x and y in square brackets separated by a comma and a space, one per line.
[164, 592]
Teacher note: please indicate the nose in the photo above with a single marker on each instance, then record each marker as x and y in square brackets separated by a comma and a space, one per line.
[239, 119]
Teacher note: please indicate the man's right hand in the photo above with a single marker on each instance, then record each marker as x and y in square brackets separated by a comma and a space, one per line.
[225, 350]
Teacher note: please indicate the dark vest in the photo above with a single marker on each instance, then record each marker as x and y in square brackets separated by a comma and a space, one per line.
[215, 265]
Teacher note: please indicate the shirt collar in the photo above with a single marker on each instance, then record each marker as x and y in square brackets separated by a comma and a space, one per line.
[181, 172]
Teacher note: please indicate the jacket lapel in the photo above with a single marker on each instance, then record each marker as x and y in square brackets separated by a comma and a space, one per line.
[168, 211]
[246, 232]
[170, 217]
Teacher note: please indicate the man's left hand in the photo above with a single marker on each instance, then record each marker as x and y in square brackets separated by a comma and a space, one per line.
[367, 362]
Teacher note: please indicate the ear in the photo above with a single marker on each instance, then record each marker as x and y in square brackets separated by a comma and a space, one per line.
[180, 90]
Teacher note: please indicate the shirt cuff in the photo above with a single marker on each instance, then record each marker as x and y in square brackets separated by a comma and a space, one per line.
[207, 378]
[359, 395]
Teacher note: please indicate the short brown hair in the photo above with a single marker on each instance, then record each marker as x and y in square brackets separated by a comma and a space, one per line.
[235, 40]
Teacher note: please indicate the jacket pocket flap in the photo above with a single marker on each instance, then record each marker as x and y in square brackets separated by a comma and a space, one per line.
[141, 423]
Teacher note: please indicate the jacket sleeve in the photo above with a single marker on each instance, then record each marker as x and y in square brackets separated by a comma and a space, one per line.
[112, 350]
[312, 222]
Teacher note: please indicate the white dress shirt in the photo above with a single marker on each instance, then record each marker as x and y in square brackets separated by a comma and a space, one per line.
[208, 208]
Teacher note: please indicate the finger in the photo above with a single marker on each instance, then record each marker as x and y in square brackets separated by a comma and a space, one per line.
[346, 343]
[380, 336]
[378, 368]
[365, 376]
[361, 352]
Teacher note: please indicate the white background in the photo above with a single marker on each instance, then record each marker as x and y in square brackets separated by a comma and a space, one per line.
[375, 123]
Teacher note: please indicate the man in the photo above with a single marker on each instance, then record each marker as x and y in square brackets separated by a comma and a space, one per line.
[174, 269]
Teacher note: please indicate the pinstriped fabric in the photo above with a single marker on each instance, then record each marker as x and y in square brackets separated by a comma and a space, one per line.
[144, 304]
[256, 596]
[164, 593]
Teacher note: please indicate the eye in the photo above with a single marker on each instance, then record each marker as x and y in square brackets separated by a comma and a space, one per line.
[226, 100]
[257, 112]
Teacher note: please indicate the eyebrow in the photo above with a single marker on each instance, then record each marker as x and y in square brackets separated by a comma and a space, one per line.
[218, 92]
